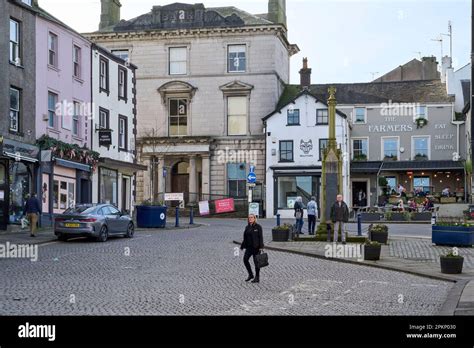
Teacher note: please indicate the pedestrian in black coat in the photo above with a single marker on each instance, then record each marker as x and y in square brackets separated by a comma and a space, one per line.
[253, 245]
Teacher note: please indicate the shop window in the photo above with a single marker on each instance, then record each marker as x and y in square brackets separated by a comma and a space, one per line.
[291, 187]
[237, 180]
[64, 194]
[422, 183]
[19, 190]
[108, 186]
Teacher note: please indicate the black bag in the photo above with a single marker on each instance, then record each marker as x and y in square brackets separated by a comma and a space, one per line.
[261, 260]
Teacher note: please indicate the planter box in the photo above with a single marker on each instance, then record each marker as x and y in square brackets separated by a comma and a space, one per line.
[381, 237]
[151, 216]
[367, 217]
[372, 253]
[279, 235]
[451, 265]
[421, 216]
[453, 235]
[398, 217]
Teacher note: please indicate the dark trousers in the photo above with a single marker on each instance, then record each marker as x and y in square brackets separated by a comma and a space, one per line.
[248, 254]
[311, 224]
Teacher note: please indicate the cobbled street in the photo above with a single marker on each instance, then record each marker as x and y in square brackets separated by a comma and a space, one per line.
[197, 272]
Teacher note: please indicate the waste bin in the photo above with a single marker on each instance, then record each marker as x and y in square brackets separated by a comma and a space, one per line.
[151, 216]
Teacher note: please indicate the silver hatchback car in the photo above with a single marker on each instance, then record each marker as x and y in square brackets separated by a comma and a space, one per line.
[100, 221]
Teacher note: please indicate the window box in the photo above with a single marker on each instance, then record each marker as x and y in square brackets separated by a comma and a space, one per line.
[390, 158]
[421, 157]
[360, 158]
[461, 236]
[421, 122]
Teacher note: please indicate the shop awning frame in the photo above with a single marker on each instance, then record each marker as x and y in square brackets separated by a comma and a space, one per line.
[421, 166]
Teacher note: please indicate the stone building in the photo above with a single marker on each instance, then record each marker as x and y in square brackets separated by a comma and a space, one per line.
[18, 155]
[405, 131]
[205, 79]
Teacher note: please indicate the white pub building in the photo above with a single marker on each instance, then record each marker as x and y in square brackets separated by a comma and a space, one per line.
[296, 134]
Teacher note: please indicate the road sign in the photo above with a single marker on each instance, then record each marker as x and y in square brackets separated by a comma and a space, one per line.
[252, 169]
[251, 178]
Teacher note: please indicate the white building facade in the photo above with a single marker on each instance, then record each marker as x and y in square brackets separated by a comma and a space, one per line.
[296, 135]
[114, 130]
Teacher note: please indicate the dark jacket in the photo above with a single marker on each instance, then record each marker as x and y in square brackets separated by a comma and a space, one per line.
[344, 215]
[32, 206]
[299, 207]
[253, 237]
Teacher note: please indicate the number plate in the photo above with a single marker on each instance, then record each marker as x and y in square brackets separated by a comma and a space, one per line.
[72, 225]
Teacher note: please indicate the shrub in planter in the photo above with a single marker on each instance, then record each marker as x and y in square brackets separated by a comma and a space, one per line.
[372, 250]
[451, 263]
[378, 233]
[281, 233]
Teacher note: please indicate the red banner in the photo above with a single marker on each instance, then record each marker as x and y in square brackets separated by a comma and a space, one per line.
[225, 206]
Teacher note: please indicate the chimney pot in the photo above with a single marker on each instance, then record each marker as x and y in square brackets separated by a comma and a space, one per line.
[305, 74]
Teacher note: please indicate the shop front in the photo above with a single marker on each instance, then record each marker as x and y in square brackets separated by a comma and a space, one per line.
[114, 183]
[444, 181]
[64, 184]
[290, 183]
[18, 165]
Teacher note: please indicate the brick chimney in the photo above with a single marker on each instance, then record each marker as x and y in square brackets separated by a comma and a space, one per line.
[277, 11]
[305, 74]
[110, 13]
[429, 68]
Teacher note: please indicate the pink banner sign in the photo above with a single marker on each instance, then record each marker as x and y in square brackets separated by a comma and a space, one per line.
[225, 206]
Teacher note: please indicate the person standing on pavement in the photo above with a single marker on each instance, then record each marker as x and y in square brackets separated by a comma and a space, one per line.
[339, 217]
[299, 215]
[312, 215]
[33, 211]
[253, 245]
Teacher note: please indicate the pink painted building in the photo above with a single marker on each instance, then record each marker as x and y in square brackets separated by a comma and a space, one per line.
[63, 109]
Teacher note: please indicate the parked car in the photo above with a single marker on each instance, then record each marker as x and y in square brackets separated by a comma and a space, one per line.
[99, 221]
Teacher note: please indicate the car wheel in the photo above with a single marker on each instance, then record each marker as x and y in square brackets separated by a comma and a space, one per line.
[103, 234]
[130, 231]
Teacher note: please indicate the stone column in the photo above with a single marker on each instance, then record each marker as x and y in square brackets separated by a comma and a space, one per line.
[192, 179]
[206, 176]
[160, 183]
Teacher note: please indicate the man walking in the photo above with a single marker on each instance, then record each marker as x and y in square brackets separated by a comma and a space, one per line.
[32, 211]
[299, 215]
[312, 215]
[339, 217]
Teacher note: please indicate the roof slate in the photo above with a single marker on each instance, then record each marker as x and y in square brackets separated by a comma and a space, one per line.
[422, 91]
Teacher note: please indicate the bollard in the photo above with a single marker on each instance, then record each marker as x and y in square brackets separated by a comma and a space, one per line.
[191, 216]
[177, 217]
[359, 225]
[328, 229]
[278, 220]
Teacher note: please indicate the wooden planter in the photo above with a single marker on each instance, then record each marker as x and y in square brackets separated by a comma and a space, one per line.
[381, 237]
[451, 265]
[460, 236]
[370, 217]
[280, 235]
[372, 253]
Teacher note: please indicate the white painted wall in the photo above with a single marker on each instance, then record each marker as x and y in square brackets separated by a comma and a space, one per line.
[453, 85]
[308, 130]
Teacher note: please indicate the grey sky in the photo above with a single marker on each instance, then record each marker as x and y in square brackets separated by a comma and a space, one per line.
[344, 40]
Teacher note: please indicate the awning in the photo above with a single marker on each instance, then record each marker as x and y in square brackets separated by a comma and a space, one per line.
[121, 165]
[19, 151]
[72, 165]
[365, 167]
[421, 165]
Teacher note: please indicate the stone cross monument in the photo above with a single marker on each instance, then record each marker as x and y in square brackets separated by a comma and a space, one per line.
[331, 184]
